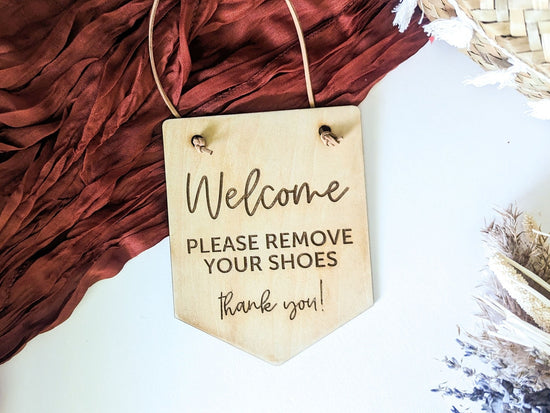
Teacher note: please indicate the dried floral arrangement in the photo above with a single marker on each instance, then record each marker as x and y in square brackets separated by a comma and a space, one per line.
[507, 364]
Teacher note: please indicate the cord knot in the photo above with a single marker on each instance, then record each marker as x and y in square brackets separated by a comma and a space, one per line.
[200, 144]
[327, 137]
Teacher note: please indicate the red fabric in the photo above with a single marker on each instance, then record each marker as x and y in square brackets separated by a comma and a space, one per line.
[81, 166]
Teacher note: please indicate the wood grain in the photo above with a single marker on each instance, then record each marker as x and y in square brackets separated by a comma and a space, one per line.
[279, 198]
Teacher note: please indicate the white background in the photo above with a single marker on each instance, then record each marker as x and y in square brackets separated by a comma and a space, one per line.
[439, 157]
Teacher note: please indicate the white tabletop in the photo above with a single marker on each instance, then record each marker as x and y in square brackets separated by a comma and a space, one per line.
[439, 157]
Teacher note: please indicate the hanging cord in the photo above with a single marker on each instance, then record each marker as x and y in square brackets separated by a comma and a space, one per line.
[303, 50]
[301, 40]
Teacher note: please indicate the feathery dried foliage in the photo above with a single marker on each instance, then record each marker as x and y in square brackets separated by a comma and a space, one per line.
[508, 236]
[493, 288]
[519, 238]
[539, 260]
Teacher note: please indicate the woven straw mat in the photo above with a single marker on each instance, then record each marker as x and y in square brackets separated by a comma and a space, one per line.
[520, 28]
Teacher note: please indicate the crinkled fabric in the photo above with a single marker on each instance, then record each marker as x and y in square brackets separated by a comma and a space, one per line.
[82, 186]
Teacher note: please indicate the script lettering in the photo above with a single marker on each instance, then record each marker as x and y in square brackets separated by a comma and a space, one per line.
[282, 197]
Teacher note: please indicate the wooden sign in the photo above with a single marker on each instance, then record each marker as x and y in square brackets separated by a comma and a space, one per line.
[268, 235]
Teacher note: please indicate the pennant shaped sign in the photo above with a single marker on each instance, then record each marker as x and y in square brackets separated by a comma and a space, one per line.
[268, 235]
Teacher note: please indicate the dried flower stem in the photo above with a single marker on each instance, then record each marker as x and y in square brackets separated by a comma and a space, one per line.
[544, 234]
[528, 273]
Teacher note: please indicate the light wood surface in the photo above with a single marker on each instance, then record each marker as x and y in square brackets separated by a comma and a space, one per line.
[281, 257]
